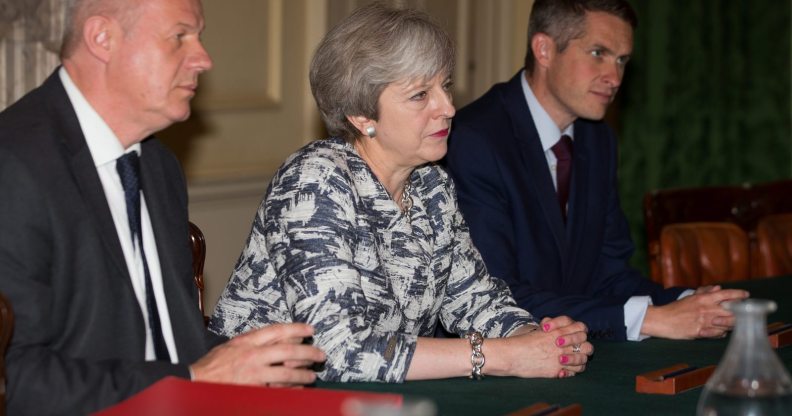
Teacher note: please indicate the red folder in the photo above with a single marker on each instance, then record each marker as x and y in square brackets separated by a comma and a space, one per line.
[175, 396]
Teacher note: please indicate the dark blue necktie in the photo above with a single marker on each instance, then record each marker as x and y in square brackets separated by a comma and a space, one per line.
[563, 153]
[128, 167]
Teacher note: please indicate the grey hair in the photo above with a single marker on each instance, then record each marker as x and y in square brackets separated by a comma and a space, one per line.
[372, 48]
[563, 20]
[78, 12]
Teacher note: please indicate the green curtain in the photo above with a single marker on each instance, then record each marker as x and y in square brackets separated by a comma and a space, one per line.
[705, 101]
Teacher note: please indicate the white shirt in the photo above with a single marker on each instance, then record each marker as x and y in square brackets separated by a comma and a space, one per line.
[549, 133]
[105, 148]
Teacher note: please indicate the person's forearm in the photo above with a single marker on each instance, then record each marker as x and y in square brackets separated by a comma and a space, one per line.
[436, 358]
[440, 358]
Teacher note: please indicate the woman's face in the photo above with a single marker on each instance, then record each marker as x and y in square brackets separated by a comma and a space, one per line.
[414, 121]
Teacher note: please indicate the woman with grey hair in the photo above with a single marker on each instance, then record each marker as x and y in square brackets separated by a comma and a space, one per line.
[360, 236]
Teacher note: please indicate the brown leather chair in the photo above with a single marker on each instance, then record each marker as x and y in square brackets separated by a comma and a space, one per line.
[6, 328]
[673, 206]
[703, 253]
[742, 205]
[774, 239]
[198, 243]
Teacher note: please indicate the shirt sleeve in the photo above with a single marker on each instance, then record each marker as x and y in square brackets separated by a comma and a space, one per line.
[686, 293]
[634, 314]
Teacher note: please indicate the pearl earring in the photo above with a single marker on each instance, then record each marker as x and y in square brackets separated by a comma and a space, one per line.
[371, 131]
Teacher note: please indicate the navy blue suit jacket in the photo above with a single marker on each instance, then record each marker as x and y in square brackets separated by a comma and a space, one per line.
[508, 199]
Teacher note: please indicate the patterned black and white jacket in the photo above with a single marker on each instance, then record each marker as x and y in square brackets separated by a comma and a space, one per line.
[330, 247]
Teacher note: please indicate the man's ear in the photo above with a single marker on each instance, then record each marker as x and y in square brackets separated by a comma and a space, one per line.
[98, 36]
[543, 48]
[361, 123]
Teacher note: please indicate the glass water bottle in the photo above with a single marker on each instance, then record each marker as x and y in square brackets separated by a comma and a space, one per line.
[750, 379]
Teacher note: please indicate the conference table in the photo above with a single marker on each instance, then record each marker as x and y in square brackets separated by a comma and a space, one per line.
[606, 387]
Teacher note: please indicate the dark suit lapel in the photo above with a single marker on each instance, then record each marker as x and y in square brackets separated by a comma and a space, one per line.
[535, 162]
[164, 217]
[84, 171]
[171, 234]
[579, 192]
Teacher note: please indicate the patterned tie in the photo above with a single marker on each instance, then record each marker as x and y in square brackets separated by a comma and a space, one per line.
[563, 153]
[128, 167]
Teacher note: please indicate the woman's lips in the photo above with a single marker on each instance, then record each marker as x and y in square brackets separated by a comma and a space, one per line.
[440, 133]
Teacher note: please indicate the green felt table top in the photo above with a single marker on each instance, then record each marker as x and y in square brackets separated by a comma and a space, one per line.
[608, 384]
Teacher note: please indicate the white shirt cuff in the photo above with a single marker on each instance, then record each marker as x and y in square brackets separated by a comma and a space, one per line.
[686, 293]
[634, 314]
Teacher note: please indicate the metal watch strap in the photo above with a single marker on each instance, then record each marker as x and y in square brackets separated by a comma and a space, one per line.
[476, 356]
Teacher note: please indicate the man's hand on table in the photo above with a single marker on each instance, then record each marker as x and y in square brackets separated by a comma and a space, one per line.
[269, 356]
[696, 316]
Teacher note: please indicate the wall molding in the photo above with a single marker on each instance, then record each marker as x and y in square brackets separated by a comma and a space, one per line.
[207, 191]
[262, 78]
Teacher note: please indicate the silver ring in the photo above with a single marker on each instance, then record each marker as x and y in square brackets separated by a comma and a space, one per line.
[576, 348]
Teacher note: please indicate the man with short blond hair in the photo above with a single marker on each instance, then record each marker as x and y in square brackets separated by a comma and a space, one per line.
[94, 251]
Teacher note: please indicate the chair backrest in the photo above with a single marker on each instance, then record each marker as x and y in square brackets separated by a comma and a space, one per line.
[673, 206]
[770, 198]
[742, 205]
[198, 243]
[703, 253]
[774, 237]
[6, 328]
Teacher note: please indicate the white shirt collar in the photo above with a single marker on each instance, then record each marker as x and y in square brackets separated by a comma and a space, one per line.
[102, 142]
[548, 131]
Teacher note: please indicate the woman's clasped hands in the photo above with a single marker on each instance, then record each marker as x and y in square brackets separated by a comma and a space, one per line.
[557, 348]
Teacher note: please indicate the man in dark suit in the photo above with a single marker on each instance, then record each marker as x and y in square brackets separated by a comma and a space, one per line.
[102, 291]
[566, 251]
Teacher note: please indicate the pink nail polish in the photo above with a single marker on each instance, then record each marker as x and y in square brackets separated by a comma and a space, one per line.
[546, 327]
[564, 359]
[561, 341]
